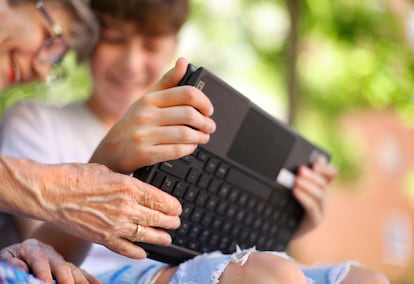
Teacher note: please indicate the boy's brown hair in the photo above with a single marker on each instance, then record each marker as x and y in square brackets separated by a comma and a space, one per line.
[154, 17]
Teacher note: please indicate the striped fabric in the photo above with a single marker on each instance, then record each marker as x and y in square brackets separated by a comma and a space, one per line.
[12, 275]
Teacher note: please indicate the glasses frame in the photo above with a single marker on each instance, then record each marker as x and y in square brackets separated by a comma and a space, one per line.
[57, 35]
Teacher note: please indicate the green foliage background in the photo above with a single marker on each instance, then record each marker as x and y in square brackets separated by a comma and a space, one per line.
[350, 55]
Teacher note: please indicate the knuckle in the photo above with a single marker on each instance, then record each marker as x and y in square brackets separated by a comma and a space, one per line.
[178, 151]
[141, 135]
[154, 219]
[190, 94]
[185, 133]
[144, 116]
[190, 115]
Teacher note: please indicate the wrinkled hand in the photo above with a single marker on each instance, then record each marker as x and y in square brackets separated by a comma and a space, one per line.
[44, 262]
[310, 191]
[165, 124]
[94, 203]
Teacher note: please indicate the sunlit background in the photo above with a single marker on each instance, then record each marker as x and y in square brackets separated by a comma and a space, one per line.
[342, 73]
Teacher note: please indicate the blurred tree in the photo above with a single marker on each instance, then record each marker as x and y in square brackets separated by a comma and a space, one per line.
[353, 54]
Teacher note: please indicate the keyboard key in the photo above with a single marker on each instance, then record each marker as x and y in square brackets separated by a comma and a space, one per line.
[251, 203]
[194, 232]
[214, 239]
[223, 245]
[191, 194]
[212, 203]
[196, 215]
[249, 219]
[224, 190]
[236, 230]
[216, 225]
[158, 179]
[222, 206]
[202, 198]
[193, 245]
[268, 212]
[211, 165]
[168, 184]
[257, 223]
[204, 181]
[188, 159]
[180, 189]
[204, 235]
[234, 194]
[207, 219]
[187, 209]
[240, 215]
[193, 175]
[226, 228]
[201, 155]
[231, 212]
[243, 199]
[214, 186]
[176, 168]
[222, 170]
[259, 207]
[183, 229]
[179, 241]
[253, 237]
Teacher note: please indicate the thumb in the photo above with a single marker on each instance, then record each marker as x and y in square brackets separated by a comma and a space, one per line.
[172, 77]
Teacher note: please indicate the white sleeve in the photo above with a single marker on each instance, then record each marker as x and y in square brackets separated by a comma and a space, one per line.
[24, 133]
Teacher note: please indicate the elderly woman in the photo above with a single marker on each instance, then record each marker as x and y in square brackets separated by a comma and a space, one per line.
[87, 200]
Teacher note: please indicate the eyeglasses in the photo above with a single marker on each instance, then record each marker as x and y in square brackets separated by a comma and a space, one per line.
[54, 48]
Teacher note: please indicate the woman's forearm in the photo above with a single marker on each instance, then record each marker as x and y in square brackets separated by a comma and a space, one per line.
[22, 193]
[89, 201]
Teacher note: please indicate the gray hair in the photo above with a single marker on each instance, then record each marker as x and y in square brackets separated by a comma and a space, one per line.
[84, 30]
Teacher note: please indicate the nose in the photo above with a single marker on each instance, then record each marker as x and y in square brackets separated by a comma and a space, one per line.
[134, 61]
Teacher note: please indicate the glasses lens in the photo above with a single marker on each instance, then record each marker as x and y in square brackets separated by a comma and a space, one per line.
[52, 51]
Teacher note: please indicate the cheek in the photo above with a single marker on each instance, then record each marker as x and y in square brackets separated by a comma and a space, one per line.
[100, 64]
[158, 66]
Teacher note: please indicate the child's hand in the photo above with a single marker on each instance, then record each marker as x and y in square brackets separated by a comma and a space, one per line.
[310, 191]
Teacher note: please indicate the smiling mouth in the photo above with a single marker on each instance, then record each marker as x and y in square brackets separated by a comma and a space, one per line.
[14, 74]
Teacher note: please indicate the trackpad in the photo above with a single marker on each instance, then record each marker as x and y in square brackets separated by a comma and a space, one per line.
[261, 144]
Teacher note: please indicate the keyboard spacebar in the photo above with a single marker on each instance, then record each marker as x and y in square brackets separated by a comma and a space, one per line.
[251, 185]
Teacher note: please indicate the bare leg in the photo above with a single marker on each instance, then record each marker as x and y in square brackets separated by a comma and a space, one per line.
[263, 267]
[260, 267]
[166, 275]
[362, 275]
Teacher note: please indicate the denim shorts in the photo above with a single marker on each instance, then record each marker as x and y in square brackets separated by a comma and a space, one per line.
[207, 269]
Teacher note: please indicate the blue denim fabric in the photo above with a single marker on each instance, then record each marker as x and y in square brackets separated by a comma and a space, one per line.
[12, 275]
[329, 274]
[130, 274]
[207, 269]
